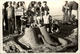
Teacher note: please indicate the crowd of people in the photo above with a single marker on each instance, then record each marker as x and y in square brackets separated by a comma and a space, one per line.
[67, 11]
[10, 16]
[19, 19]
[16, 16]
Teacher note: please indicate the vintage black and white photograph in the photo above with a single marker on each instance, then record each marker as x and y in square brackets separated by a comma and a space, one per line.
[40, 26]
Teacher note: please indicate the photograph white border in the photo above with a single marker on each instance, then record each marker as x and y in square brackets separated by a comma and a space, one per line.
[1, 33]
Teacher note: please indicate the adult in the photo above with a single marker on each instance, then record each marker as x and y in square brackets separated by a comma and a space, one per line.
[19, 13]
[46, 21]
[31, 12]
[45, 7]
[10, 16]
[38, 8]
[4, 13]
[65, 10]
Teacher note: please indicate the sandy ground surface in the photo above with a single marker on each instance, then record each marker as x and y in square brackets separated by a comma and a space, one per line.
[68, 32]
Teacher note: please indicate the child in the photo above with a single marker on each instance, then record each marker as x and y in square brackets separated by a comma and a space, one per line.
[55, 27]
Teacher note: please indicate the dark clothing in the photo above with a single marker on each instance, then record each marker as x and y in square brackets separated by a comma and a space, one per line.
[11, 19]
[30, 13]
[10, 12]
[55, 26]
[30, 16]
[38, 10]
[45, 9]
[10, 26]
[5, 18]
[65, 10]
[48, 26]
[18, 22]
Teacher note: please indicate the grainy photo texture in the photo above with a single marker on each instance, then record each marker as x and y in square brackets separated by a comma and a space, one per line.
[40, 26]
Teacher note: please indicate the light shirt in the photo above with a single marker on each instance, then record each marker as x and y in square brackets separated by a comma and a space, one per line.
[19, 11]
[66, 8]
[38, 17]
[10, 12]
[46, 19]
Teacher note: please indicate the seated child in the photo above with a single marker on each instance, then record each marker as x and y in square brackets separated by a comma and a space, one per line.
[55, 27]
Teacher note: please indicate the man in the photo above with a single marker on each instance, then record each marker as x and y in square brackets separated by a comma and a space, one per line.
[65, 11]
[10, 16]
[46, 21]
[45, 7]
[5, 20]
[38, 8]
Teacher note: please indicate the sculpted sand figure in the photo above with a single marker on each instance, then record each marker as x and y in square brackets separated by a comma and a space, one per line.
[30, 37]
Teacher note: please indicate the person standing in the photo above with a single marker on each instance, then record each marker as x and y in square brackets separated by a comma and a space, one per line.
[38, 17]
[38, 8]
[65, 10]
[44, 7]
[5, 20]
[19, 13]
[31, 12]
[46, 21]
[10, 16]
[14, 4]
